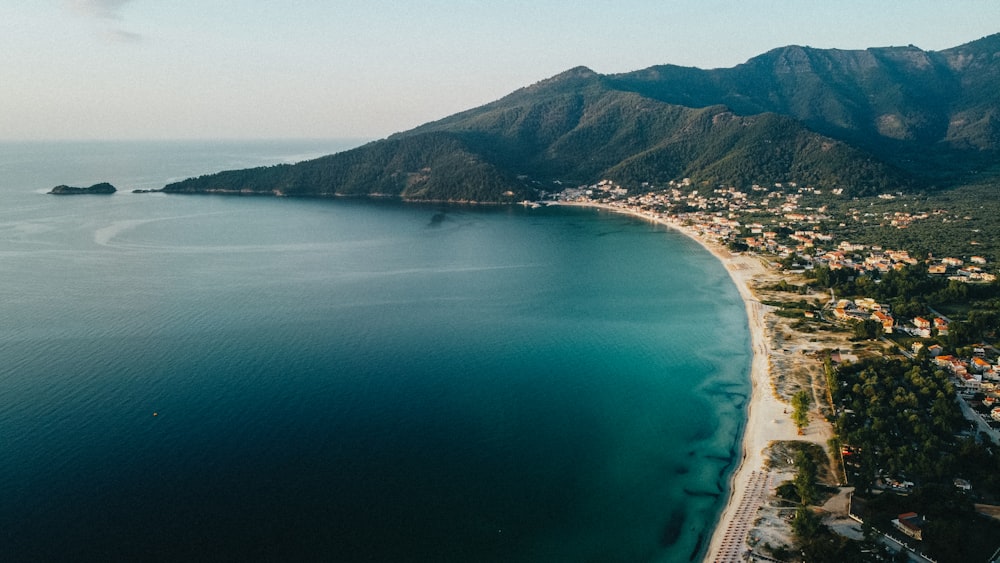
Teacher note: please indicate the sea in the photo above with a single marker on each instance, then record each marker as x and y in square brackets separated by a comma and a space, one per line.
[241, 378]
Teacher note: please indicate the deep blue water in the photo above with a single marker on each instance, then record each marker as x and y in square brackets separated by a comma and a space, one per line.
[345, 380]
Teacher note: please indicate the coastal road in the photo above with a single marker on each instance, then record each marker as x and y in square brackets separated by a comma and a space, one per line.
[851, 529]
[981, 425]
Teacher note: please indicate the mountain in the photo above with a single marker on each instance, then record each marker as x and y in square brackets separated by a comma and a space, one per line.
[867, 121]
[902, 104]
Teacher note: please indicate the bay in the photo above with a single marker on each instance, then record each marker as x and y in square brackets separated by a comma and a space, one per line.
[231, 378]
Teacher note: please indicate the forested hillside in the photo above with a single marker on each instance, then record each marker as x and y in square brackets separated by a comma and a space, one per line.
[867, 122]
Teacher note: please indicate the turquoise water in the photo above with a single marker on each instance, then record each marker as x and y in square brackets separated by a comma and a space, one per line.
[344, 380]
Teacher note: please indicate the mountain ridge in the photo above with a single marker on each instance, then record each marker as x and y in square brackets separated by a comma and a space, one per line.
[867, 121]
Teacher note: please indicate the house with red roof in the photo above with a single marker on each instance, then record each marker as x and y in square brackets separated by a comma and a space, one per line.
[886, 320]
[911, 524]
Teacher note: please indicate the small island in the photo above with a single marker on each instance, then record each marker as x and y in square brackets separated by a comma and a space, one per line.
[101, 188]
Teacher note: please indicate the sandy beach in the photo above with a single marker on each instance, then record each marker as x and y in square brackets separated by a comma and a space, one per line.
[768, 417]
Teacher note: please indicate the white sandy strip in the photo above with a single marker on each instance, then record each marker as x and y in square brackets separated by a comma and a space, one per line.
[767, 416]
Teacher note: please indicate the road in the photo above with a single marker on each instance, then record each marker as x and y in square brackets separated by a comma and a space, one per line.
[852, 529]
[981, 425]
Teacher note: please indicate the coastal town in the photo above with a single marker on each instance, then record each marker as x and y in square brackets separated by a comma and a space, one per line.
[816, 307]
[722, 216]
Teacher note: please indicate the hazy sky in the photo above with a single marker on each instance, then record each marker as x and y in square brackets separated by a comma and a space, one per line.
[154, 69]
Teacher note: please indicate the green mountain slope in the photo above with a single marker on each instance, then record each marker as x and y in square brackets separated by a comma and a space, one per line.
[905, 105]
[430, 167]
[866, 121]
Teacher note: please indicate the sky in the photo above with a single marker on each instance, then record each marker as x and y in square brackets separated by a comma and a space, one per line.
[249, 69]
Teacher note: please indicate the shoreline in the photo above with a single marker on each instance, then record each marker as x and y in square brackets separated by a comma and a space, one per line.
[767, 417]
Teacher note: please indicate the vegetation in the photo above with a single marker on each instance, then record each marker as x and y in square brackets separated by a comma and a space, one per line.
[436, 167]
[805, 478]
[911, 292]
[867, 329]
[822, 89]
[800, 409]
[959, 222]
[902, 430]
[897, 418]
[815, 540]
[952, 532]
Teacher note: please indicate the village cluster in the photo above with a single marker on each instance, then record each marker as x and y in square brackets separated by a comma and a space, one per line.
[727, 214]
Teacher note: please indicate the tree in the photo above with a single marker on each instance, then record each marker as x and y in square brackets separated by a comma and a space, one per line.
[868, 532]
[806, 524]
[868, 329]
[800, 412]
[805, 477]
